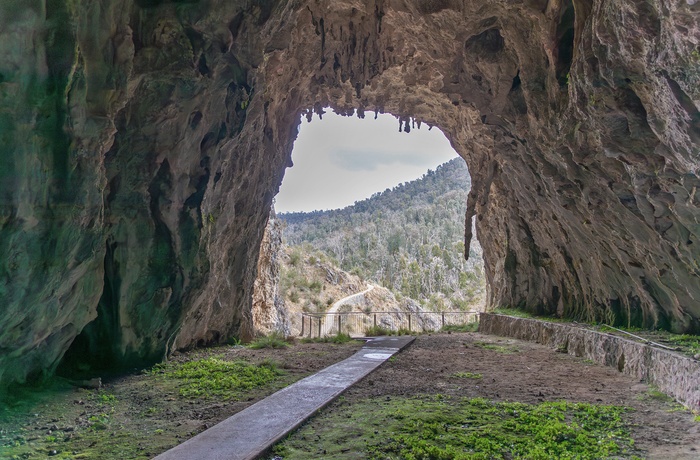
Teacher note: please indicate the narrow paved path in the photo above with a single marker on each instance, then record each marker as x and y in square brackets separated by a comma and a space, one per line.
[252, 432]
[349, 299]
[328, 322]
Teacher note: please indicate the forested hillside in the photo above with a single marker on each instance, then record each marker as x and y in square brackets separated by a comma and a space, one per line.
[409, 239]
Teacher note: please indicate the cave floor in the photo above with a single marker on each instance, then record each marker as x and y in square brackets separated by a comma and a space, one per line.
[517, 371]
[136, 417]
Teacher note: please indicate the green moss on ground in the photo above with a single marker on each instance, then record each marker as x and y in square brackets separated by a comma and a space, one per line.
[60, 421]
[439, 428]
[215, 377]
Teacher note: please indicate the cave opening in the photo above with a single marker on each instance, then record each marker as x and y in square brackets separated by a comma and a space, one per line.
[383, 198]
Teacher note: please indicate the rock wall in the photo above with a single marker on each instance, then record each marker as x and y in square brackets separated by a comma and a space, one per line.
[269, 312]
[673, 373]
[144, 140]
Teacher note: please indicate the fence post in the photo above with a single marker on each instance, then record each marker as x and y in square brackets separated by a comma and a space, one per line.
[443, 319]
[303, 323]
[319, 327]
[375, 320]
[409, 322]
[338, 324]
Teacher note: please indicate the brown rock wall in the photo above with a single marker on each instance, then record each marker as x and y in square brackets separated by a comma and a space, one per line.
[269, 312]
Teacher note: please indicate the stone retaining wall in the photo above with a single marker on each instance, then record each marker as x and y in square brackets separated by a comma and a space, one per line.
[673, 373]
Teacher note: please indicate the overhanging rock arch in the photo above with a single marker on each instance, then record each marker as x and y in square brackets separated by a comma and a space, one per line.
[161, 130]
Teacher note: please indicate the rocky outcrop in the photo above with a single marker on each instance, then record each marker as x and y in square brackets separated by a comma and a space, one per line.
[672, 373]
[269, 312]
[144, 140]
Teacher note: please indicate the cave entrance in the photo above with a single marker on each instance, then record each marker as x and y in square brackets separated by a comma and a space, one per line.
[376, 201]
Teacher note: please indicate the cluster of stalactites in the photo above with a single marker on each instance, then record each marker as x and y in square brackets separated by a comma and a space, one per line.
[405, 123]
[408, 123]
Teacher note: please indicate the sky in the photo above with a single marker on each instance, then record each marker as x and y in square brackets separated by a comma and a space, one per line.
[339, 160]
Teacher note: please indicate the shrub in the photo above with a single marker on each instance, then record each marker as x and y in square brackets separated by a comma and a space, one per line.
[315, 286]
[340, 339]
[294, 297]
[274, 340]
[294, 258]
[377, 331]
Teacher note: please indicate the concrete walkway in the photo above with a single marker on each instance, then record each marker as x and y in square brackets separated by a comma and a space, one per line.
[251, 432]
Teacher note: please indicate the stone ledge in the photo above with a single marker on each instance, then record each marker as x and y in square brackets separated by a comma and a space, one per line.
[673, 373]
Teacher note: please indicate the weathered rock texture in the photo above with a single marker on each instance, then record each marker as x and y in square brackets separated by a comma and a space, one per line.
[269, 312]
[143, 142]
[672, 373]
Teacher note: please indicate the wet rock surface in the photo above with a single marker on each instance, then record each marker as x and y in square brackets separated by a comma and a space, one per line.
[143, 143]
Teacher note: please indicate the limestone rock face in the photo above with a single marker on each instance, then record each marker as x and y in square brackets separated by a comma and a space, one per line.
[144, 140]
[269, 312]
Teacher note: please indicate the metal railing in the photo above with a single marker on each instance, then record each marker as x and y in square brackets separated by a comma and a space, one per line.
[356, 324]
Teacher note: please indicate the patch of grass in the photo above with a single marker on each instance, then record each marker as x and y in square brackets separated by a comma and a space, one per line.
[512, 312]
[606, 328]
[653, 393]
[468, 327]
[467, 375]
[690, 343]
[315, 286]
[375, 331]
[523, 314]
[506, 349]
[215, 377]
[441, 428]
[106, 398]
[339, 339]
[274, 340]
[234, 341]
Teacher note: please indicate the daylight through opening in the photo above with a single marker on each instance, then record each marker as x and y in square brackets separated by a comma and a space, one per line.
[372, 220]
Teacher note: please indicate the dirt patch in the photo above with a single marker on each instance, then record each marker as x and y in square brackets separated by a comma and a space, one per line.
[513, 370]
[139, 416]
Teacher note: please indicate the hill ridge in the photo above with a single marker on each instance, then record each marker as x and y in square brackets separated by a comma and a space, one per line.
[409, 239]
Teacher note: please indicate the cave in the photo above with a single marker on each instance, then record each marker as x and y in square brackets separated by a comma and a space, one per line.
[143, 143]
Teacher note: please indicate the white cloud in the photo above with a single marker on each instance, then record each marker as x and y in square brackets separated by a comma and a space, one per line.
[340, 160]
